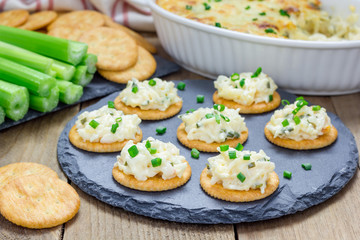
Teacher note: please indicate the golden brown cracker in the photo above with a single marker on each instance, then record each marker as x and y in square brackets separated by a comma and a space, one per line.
[218, 191]
[39, 20]
[15, 170]
[37, 201]
[251, 109]
[152, 184]
[142, 70]
[140, 40]
[86, 17]
[151, 114]
[322, 141]
[78, 142]
[14, 18]
[115, 49]
[208, 147]
[68, 32]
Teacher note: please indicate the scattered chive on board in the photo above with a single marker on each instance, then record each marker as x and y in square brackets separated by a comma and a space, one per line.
[306, 166]
[181, 86]
[200, 98]
[195, 153]
[160, 130]
[287, 174]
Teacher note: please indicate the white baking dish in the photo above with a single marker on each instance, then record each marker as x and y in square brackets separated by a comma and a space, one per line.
[303, 67]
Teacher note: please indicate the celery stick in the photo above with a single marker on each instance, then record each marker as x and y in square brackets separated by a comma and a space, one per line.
[14, 99]
[80, 73]
[37, 83]
[69, 92]
[64, 50]
[45, 104]
[63, 70]
[83, 79]
[2, 115]
[52, 73]
[86, 80]
[25, 57]
[90, 61]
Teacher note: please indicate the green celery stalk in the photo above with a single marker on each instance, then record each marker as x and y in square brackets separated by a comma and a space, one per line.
[45, 104]
[2, 115]
[14, 99]
[80, 73]
[37, 83]
[61, 49]
[25, 57]
[63, 70]
[52, 73]
[90, 61]
[69, 92]
[86, 80]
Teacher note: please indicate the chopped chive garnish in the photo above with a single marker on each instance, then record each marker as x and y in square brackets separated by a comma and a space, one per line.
[285, 102]
[217, 24]
[208, 166]
[125, 164]
[152, 82]
[224, 148]
[119, 119]
[133, 151]
[207, 6]
[254, 19]
[262, 13]
[251, 165]
[270, 30]
[306, 166]
[242, 82]
[316, 108]
[156, 162]
[256, 73]
[160, 130]
[284, 13]
[135, 89]
[111, 104]
[247, 8]
[217, 118]
[246, 157]
[299, 98]
[285, 123]
[190, 111]
[232, 154]
[235, 76]
[195, 153]
[114, 127]
[219, 107]
[297, 120]
[94, 124]
[148, 144]
[83, 121]
[271, 97]
[209, 115]
[241, 177]
[239, 147]
[188, 7]
[287, 174]
[268, 85]
[226, 119]
[181, 86]
[152, 150]
[200, 98]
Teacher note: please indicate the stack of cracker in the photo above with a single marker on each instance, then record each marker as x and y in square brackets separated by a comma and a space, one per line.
[32, 196]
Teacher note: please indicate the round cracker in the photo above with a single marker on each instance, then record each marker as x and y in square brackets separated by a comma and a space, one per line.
[307, 144]
[39, 20]
[207, 147]
[151, 114]
[142, 70]
[219, 192]
[37, 201]
[140, 40]
[115, 49]
[78, 142]
[69, 32]
[14, 18]
[86, 17]
[153, 184]
[16, 170]
[251, 109]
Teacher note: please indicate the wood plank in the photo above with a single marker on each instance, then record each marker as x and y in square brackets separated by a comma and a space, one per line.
[34, 141]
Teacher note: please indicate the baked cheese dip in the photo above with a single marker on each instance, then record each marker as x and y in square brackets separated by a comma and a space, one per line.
[292, 19]
[239, 176]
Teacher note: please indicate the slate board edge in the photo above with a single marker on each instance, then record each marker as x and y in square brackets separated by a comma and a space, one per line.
[164, 210]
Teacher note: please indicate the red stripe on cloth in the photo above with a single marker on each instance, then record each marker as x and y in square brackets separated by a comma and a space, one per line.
[125, 14]
[84, 4]
[38, 5]
[147, 13]
[2, 5]
[51, 5]
[113, 11]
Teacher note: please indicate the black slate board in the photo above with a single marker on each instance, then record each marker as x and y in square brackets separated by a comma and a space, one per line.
[332, 168]
[98, 87]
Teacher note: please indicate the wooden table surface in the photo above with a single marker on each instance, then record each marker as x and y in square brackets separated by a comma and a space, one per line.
[36, 140]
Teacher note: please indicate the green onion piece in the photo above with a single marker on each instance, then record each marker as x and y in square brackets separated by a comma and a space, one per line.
[111, 104]
[219, 107]
[299, 98]
[247, 8]
[257, 73]
[200, 98]
[148, 144]
[156, 162]
[133, 151]
[125, 164]
[239, 147]
[190, 111]
[262, 13]
[285, 123]
[270, 30]
[207, 6]
[65, 71]
[297, 120]
[284, 13]
[181, 86]
[188, 7]
[217, 24]
[224, 148]
[287, 174]
[247, 157]
[242, 82]
[83, 121]
[232, 154]
[285, 102]
[135, 89]
[152, 150]
[225, 118]
[119, 119]
[152, 82]
[114, 127]
[217, 118]
[209, 115]
[69, 92]
[251, 165]
[241, 177]
[316, 108]
[306, 166]
[255, 19]
[2, 115]
[90, 61]
[160, 130]
[45, 104]
[195, 153]
[94, 124]
[271, 98]
[235, 77]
